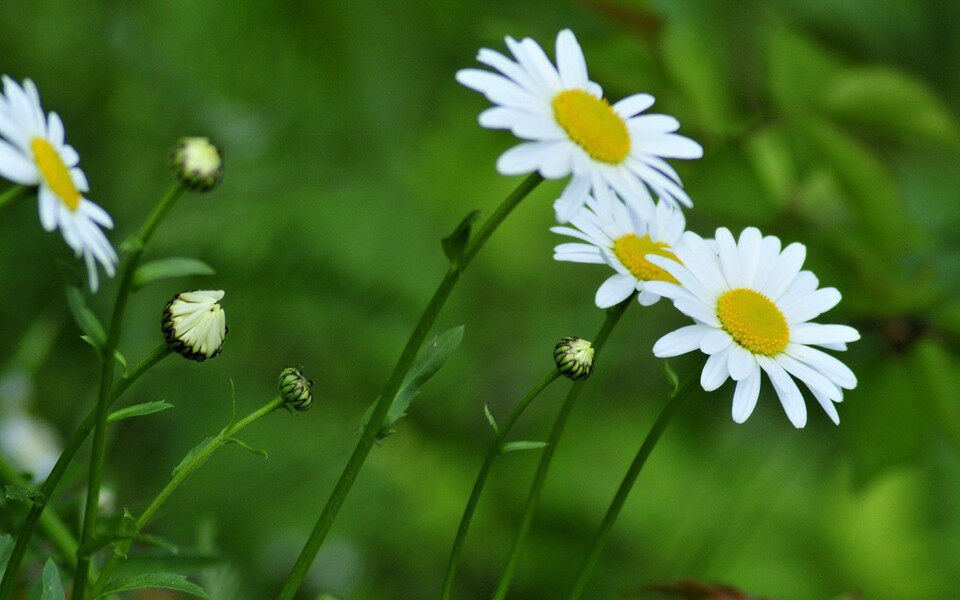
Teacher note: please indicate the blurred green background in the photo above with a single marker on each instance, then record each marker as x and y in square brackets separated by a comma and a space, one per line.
[351, 151]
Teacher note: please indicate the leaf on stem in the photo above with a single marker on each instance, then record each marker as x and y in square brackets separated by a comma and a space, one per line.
[523, 445]
[85, 319]
[671, 376]
[190, 455]
[138, 410]
[167, 581]
[247, 447]
[52, 586]
[168, 268]
[456, 242]
[490, 419]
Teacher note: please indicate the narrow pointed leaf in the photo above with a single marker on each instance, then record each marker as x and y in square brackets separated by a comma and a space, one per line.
[52, 586]
[167, 581]
[139, 410]
[85, 319]
[523, 445]
[168, 268]
[454, 244]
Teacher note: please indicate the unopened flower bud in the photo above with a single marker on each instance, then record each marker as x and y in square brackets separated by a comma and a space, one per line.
[198, 163]
[295, 388]
[574, 358]
[194, 324]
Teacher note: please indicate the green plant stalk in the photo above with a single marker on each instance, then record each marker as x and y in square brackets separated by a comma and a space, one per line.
[12, 194]
[495, 448]
[95, 478]
[49, 485]
[404, 363]
[663, 419]
[123, 546]
[51, 524]
[533, 499]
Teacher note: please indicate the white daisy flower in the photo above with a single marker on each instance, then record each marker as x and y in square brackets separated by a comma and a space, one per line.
[617, 236]
[33, 153]
[194, 324]
[573, 130]
[752, 305]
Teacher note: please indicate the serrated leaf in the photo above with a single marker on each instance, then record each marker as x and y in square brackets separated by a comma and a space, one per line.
[193, 452]
[167, 581]
[168, 268]
[247, 447]
[19, 493]
[52, 586]
[671, 376]
[139, 410]
[490, 419]
[522, 445]
[85, 319]
[454, 244]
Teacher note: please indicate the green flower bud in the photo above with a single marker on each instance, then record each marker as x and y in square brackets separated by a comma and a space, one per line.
[574, 358]
[197, 163]
[295, 388]
[194, 324]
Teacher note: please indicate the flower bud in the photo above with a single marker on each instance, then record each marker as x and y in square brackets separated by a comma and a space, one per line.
[295, 388]
[194, 324]
[574, 358]
[197, 163]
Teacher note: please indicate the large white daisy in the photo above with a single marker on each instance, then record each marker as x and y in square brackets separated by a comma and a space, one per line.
[752, 305]
[618, 236]
[573, 130]
[33, 153]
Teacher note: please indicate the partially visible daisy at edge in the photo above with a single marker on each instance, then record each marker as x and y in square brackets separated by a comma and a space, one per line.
[617, 236]
[572, 130]
[33, 153]
[752, 305]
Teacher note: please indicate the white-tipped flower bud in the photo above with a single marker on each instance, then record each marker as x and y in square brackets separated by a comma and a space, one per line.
[194, 324]
[574, 358]
[198, 163]
[295, 388]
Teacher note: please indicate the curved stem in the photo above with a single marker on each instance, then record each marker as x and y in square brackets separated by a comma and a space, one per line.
[49, 485]
[180, 475]
[404, 363]
[495, 448]
[627, 484]
[533, 499]
[106, 383]
[12, 194]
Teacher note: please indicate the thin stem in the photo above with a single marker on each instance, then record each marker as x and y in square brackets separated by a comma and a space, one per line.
[495, 448]
[533, 499]
[627, 484]
[12, 194]
[404, 363]
[180, 475]
[51, 524]
[49, 485]
[106, 383]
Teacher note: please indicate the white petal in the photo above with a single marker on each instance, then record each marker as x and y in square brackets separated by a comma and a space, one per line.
[804, 284]
[570, 61]
[745, 396]
[681, 341]
[686, 279]
[787, 391]
[16, 167]
[664, 288]
[647, 298]
[748, 247]
[615, 290]
[95, 212]
[828, 407]
[811, 306]
[633, 105]
[714, 371]
[521, 159]
[79, 180]
[55, 130]
[47, 205]
[69, 156]
[652, 126]
[817, 334]
[698, 310]
[814, 380]
[715, 341]
[729, 257]
[497, 88]
[670, 145]
[784, 270]
[509, 68]
[835, 370]
[571, 199]
[740, 361]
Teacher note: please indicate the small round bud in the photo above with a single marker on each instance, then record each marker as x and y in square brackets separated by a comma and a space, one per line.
[574, 358]
[197, 163]
[194, 324]
[295, 388]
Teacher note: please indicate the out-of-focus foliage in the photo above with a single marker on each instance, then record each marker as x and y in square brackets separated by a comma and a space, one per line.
[350, 153]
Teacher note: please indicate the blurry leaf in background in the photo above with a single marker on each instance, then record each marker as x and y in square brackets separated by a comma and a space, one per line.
[52, 586]
[86, 320]
[167, 581]
[167, 268]
[138, 410]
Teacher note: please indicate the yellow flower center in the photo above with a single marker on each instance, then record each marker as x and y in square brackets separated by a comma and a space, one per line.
[631, 251]
[753, 321]
[593, 125]
[55, 173]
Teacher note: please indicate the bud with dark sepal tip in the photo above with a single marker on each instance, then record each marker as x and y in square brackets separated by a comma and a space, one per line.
[574, 358]
[194, 324]
[198, 163]
[295, 388]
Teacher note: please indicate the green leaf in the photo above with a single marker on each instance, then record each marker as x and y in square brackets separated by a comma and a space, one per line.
[167, 581]
[193, 452]
[454, 244]
[19, 493]
[799, 70]
[52, 586]
[671, 376]
[247, 447]
[164, 562]
[86, 320]
[490, 419]
[519, 446]
[138, 410]
[6, 547]
[168, 268]
[890, 103]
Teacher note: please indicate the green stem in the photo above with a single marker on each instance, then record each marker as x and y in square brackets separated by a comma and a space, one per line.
[180, 475]
[95, 478]
[51, 524]
[533, 499]
[676, 398]
[369, 435]
[49, 486]
[495, 448]
[12, 194]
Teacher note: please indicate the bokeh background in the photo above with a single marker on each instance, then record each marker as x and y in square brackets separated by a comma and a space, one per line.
[351, 151]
